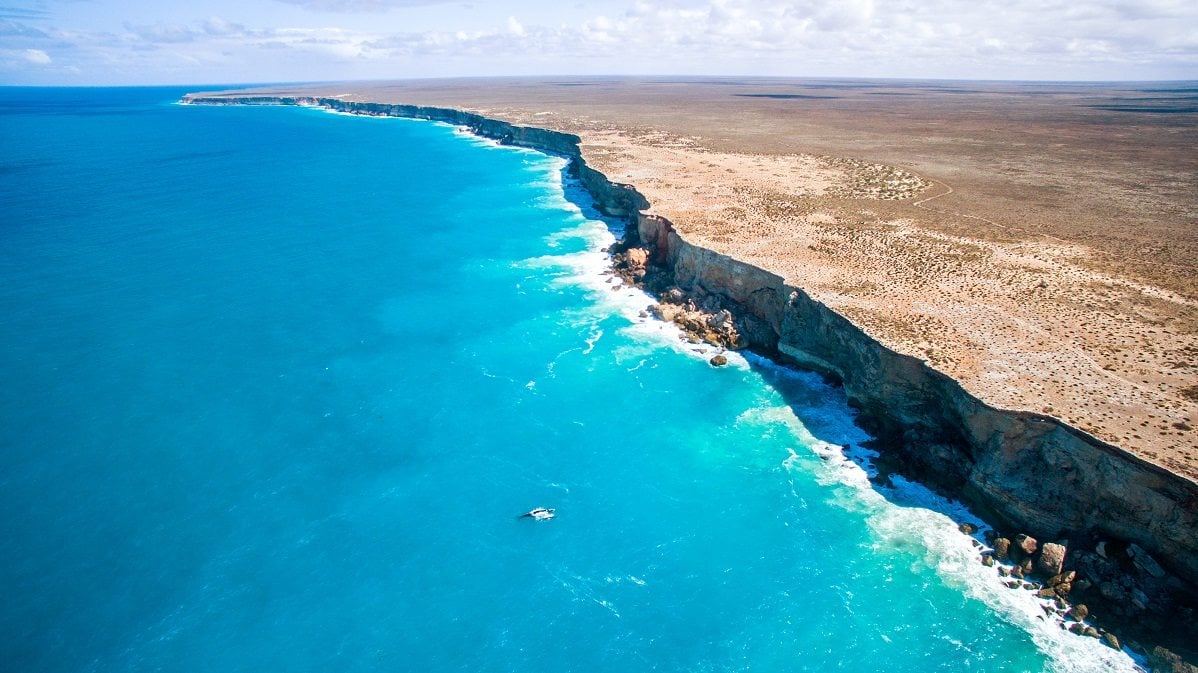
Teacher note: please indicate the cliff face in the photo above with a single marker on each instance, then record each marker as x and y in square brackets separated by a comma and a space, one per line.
[1032, 472]
[1029, 471]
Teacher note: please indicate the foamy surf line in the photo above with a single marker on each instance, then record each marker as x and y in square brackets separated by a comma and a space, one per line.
[925, 519]
[905, 514]
[909, 515]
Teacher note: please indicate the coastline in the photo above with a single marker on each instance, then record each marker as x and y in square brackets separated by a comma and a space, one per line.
[1025, 471]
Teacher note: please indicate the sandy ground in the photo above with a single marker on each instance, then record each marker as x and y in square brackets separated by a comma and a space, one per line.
[1039, 243]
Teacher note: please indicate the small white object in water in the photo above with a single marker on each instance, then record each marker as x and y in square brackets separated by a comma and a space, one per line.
[540, 514]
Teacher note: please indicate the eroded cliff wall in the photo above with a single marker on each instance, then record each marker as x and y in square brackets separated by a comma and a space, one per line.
[1029, 471]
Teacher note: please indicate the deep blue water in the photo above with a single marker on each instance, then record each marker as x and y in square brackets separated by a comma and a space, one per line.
[277, 383]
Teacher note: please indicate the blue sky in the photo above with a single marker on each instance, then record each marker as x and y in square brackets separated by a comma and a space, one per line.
[217, 41]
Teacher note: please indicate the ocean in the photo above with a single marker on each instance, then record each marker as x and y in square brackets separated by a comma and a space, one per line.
[280, 382]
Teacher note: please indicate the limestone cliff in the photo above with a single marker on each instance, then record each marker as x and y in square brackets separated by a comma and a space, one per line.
[1031, 472]
[1024, 470]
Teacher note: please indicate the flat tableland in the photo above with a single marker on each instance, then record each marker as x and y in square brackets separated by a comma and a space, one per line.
[1036, 241]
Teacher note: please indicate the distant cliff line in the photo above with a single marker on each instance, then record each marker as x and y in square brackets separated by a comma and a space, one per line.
[1027, 471]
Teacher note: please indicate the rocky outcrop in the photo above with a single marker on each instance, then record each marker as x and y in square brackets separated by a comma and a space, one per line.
[1164, 661]
[1052, 559]
[1022, 470]
[1033, 472]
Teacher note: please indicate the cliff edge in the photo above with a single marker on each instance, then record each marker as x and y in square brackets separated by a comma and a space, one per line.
[1025, 471]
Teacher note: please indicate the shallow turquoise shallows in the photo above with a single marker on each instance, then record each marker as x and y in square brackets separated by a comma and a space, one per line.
[277, 384]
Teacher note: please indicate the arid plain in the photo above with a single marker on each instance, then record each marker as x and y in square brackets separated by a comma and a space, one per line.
[1037, 242]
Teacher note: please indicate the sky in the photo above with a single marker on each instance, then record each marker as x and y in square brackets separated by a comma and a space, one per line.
[119, 42]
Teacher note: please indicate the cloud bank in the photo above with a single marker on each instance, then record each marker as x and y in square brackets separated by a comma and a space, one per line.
[1019, 39]
[360, 5]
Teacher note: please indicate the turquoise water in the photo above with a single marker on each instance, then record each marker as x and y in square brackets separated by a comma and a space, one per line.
[278, 382]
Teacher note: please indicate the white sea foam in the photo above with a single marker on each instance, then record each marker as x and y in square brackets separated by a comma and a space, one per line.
[904, 514]
[910, 516]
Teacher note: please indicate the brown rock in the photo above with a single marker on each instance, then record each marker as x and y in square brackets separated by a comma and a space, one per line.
[1164, 661]
[1026, 544]
[1078, 612]
[637, 257]
[1017, 572]
[1046, 593]
[1067, 576]
[1026, 566]
[1051, 559]
[718, 361]
[1077, 628]
[1002, 547]
[988, 561]
[1003, 570]
[967, 528]
[1111, 641]
[666, 312]
[1063, 589]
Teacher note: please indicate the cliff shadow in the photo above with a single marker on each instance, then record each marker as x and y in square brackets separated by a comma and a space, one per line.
[823, 407]
[576, 193]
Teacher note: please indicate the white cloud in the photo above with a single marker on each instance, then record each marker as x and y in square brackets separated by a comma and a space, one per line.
[1042, 39]
[36, 56]
[360, 5]
[216, 26]
[514, 27]
[160, 33]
